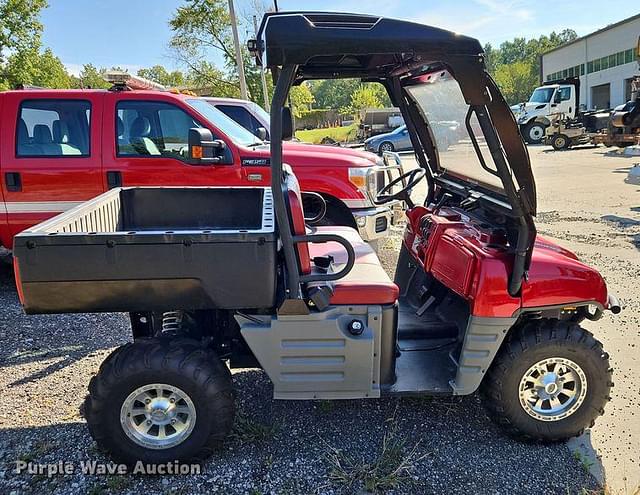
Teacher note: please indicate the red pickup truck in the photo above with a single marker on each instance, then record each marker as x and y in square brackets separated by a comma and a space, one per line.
[61, 147]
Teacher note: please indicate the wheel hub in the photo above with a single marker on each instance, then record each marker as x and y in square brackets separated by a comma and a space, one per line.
[158, 416]
[552, 389]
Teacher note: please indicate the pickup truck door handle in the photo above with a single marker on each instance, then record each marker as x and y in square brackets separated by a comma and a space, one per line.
[13, 181]
[114, 179]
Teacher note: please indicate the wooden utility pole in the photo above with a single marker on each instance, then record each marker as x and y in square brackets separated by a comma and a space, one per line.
[265, 95]
[236, 44]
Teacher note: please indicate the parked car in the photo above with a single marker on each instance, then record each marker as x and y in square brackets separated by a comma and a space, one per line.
[448, 133]
[396, 140]
[61, 147]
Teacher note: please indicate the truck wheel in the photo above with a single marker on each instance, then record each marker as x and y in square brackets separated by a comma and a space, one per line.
[159, 400]
[534, 133]
[560, 142]
[550, 381]
[386, 146]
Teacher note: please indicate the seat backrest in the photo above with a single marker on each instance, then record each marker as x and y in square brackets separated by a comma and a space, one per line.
[43, 141]
[61, 138]
[296, 215]
[139, 136]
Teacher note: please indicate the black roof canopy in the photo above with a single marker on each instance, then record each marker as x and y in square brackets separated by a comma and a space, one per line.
[355, 45]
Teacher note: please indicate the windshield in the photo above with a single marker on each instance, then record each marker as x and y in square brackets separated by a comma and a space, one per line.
[224, 124]
[542, 95]
[441, 102]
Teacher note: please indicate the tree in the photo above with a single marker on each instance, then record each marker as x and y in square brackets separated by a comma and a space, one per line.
[516, 81]
[516, 64]
[90, 77]
[334, 93]
[363, 97]
[162, 76]
[301, 100]
[20, 31]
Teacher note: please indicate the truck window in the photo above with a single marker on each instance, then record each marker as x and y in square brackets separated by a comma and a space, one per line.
[146, 128]
[565, 93]
[242, 116]
[53, 128]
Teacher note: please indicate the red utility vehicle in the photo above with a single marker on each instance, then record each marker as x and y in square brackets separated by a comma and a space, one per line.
[59, 148]
[478, 302]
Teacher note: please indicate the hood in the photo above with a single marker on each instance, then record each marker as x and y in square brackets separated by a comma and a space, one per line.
[557, 276]
[303, 154]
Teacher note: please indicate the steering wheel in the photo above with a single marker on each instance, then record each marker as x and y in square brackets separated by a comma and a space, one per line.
[412, 177]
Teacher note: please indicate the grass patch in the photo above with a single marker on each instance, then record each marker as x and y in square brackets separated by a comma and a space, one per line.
[390, 469]
[584, 460]
[340, 134]
[248, 430]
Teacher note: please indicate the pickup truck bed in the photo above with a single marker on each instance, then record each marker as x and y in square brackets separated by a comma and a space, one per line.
[152, 249]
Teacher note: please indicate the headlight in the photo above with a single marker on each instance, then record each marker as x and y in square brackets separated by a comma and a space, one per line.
[364, 178]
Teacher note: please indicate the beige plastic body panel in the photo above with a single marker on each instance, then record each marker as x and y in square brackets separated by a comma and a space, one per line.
[315, 356]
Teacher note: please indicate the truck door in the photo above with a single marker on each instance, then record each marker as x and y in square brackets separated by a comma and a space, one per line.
[51, 154]
[147, 139]
[5, 237]
[564, 101]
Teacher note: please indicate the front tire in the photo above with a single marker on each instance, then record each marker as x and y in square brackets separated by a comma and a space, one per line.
[534, 133]
[550, 381]
[560, 142]
[386, 146]
[159, 400]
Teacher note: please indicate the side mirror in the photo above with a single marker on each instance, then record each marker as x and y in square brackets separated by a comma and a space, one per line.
[557, 98]
[287, 124]
[261, 133]
[203, 149]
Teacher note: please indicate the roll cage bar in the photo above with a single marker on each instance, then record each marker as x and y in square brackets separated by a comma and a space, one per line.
[299, 46]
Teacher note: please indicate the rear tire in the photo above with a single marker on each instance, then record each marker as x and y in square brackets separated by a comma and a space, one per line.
[196, 397]
[576, 378]
[534, 133]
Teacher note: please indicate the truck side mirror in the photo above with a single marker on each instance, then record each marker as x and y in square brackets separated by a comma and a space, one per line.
[203, 149]
[261, 133]
[287, 124]
[557, 98]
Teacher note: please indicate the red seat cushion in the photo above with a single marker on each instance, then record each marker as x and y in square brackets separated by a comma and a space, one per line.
[367, 282]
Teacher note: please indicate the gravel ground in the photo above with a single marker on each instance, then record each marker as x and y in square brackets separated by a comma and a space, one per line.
[449, 445]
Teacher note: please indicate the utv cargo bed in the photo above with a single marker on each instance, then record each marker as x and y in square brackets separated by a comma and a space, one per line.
[151, 249]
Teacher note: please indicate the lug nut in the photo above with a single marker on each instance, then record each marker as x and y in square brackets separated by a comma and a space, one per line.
[148, 421]
[147, 401]
[173, 421]
[172, 400]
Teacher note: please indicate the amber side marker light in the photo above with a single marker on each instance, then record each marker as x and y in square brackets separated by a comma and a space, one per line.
[196, 152]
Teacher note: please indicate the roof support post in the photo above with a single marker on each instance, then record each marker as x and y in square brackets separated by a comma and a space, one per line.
[278, 181]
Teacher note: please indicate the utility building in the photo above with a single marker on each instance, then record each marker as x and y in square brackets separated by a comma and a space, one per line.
[604, 60]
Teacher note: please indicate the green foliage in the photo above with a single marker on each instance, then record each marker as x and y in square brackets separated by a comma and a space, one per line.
[516, 81]
[301, 100]
[162, 76]
[90, 77]
[366, 96]
[334, 93]
[20, 26]
[516, 64]
[340, 134]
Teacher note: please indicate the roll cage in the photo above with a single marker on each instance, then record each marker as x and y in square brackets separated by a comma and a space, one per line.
[299, 46]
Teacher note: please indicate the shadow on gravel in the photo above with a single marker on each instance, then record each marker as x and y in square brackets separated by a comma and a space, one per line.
[444, 446]
[299, 447]
[56, 341]
[624, 223]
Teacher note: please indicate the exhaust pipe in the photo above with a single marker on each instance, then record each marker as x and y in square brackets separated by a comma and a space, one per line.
[613, 304]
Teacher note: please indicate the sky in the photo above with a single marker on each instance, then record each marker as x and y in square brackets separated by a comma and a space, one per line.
[135, 33]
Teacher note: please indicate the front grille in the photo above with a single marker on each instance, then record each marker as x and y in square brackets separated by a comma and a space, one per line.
[381, 178]
[381, 224]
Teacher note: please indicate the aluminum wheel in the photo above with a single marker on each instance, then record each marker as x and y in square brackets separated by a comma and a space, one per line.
[552, 389]
[386, 146]
[158, 416]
